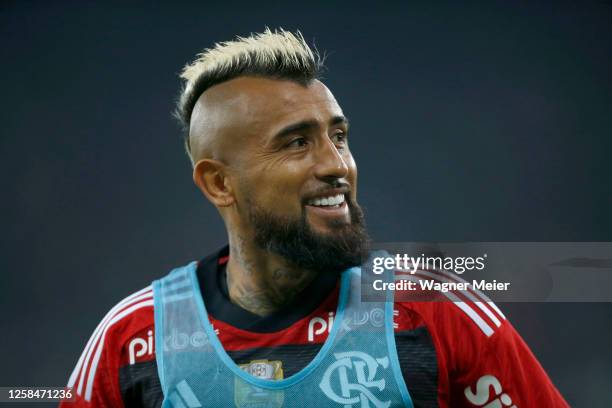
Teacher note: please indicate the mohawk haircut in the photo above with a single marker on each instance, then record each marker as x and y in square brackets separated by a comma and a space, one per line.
[277, 54]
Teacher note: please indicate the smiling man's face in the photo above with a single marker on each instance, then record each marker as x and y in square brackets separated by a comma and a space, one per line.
[294, 177]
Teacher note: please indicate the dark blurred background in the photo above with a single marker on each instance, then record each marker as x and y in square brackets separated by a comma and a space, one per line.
[469, 123]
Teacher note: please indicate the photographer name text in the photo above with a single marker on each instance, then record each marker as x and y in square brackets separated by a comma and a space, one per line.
[430, 285]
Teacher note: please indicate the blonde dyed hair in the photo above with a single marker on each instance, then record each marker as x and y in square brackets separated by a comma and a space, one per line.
[277, 54]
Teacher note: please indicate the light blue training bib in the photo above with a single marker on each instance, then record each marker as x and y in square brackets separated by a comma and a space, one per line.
[356, 367]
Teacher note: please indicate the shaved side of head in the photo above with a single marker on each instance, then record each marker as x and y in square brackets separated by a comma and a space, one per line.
[275, 54]
[213, 125]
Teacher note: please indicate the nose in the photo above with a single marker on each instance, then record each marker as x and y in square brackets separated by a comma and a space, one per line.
[329, 162]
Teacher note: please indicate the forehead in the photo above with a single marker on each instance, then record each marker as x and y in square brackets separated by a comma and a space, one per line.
[266, 93]
[262, 104]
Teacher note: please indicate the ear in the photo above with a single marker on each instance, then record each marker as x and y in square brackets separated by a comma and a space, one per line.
[212, 179]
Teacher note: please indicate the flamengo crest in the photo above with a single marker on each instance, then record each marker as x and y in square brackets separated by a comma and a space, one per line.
[353, 376]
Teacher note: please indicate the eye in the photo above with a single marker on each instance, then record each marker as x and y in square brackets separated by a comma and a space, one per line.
[298, 142]
[340, 139]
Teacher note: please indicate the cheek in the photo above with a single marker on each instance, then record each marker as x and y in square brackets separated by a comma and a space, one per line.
[277, 189]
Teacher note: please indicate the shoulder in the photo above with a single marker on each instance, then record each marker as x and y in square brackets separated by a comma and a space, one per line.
[462, 323]
[96, 371]
[451, 307]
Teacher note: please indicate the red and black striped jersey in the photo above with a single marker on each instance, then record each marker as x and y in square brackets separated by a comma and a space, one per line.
[459, 353]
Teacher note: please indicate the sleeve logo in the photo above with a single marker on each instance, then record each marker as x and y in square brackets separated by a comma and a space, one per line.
[482, 395]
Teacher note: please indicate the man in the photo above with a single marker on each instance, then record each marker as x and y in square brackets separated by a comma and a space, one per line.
[252, 325]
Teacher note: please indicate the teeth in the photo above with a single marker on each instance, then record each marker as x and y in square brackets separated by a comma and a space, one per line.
[327, 201]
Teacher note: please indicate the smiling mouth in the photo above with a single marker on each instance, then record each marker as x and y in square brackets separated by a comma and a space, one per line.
[333, 208]
[334, 201]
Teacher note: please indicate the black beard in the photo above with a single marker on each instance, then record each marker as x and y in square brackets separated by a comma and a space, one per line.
[294, 240]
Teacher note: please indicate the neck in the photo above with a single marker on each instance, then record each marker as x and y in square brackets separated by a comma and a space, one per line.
[261, 282]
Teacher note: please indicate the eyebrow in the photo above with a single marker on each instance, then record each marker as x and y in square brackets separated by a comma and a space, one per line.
[308, 125]
[336, 120]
